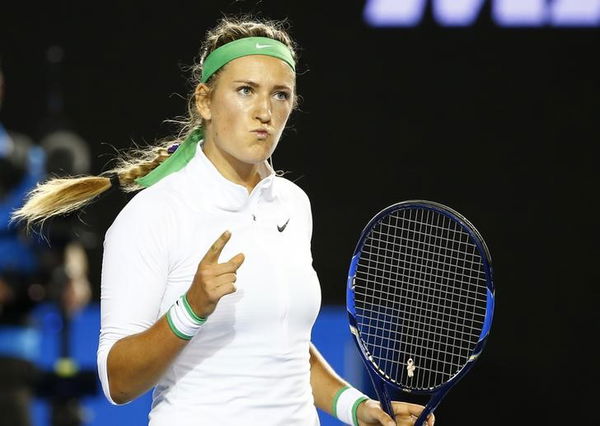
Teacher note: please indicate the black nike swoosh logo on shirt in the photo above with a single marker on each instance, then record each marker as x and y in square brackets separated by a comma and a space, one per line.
[281, 228]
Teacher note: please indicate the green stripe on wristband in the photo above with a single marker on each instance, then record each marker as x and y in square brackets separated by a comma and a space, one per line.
[174, 329]
[190, 311]
[355, 409]
[335, 400]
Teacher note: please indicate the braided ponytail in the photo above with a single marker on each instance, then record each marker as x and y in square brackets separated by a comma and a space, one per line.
[61, 196]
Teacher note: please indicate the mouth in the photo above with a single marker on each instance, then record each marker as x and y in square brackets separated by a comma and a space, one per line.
[261, 133]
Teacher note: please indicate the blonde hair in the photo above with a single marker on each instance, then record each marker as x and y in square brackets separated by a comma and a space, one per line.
[60, 196]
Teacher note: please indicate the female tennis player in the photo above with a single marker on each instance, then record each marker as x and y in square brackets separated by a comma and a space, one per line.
[208, 291]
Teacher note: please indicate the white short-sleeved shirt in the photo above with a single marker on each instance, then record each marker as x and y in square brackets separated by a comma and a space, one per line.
[250, 361]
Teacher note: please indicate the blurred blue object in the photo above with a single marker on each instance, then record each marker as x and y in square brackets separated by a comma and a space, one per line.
[465, 13]
[20, 342]
[17, 254]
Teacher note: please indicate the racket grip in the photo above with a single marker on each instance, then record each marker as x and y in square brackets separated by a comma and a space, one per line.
[421, 420]
[384, 396]
[430, 407]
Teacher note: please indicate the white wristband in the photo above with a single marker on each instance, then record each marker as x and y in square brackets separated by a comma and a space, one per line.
[182, 319]
[346, 403]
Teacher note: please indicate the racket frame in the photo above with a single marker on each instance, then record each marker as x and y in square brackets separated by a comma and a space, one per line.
[382, 383]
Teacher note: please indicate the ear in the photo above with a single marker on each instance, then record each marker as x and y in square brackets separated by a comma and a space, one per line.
[202, 96]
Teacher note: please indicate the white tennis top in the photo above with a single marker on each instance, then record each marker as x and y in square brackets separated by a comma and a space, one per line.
[250, 361]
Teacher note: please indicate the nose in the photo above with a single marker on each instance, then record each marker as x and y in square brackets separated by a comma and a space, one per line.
[262, 110]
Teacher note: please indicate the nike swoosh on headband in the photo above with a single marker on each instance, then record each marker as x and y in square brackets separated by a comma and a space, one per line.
[262, 46]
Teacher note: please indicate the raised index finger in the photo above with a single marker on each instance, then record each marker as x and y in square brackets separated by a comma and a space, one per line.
[213, 253]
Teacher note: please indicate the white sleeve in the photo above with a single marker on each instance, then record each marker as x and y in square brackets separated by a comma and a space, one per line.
[134, 275]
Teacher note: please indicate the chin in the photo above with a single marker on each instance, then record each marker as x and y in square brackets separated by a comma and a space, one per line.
[257, 154]
[255, 160]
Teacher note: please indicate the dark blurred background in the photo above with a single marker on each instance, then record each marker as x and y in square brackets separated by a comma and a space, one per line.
[498, 121]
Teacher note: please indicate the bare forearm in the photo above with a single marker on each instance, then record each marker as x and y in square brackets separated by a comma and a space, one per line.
[136, 362]
[324, 380]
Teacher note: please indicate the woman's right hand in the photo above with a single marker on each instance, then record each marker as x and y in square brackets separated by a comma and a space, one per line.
[213, 280]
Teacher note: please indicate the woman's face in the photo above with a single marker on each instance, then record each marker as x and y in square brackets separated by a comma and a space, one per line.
[247, 110]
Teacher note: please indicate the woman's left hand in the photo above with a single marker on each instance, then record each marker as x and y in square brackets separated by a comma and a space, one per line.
[369, 413]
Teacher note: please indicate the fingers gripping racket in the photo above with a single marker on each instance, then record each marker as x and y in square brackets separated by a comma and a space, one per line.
[420, 300]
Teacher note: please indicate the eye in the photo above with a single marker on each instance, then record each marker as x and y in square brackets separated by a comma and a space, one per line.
[244, 90]
[282, 96]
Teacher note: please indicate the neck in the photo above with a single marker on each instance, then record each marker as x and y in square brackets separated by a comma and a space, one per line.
[231, 168]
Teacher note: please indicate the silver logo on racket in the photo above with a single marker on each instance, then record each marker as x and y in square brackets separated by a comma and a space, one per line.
[410, 367]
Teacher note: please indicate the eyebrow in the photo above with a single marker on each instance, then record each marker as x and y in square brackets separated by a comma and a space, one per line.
[254, 84]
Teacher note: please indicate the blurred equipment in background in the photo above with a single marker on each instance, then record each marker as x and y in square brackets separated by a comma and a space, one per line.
[21, 287]
[33, 270]
[67, 154]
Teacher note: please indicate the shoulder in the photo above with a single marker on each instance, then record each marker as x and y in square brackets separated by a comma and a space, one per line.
[291, 189]
[295, 197]
[149, 210]
[155, 201]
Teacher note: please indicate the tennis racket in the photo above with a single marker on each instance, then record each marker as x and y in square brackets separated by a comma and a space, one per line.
[420, 300]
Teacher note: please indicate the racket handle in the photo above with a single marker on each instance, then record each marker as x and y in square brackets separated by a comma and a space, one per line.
[383, 395]
[430, 407]
[421, 421]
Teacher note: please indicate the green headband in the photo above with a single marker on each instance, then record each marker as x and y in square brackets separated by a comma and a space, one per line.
[245, 47]
[213, 62]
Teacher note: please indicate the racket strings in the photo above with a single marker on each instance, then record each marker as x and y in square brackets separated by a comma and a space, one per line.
[420, 297]
[419, 253]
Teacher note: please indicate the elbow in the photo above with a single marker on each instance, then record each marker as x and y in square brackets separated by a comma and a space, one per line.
[117, 393]
[118, 397]
[112, 382]
[123, 378]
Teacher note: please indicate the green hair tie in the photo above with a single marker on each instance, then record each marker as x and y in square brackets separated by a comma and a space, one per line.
[213, 62]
